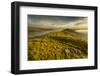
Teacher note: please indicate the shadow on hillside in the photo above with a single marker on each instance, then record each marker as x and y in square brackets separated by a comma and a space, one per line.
[74, 43]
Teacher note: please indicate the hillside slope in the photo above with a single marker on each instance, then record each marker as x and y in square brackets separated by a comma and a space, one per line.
[66, 44]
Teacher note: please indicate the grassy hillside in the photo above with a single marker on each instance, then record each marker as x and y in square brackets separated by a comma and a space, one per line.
[66, 44]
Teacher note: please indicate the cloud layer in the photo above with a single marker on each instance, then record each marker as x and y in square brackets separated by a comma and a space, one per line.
[57, 21]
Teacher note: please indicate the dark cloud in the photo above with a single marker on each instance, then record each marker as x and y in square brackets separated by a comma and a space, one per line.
[43, 20]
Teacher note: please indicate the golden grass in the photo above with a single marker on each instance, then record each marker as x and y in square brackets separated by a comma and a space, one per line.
[66, 44]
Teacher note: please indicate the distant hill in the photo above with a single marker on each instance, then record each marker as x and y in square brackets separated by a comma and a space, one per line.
[37, 29]
[66, 44]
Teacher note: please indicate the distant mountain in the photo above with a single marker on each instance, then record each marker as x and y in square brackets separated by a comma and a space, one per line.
[37, 29]
[66, 44]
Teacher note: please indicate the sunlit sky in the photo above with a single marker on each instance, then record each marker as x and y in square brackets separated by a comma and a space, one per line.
[57, 21]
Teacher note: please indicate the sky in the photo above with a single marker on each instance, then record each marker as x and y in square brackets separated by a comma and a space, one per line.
[43, 21]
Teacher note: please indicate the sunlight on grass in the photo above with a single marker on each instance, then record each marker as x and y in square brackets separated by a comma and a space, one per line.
[66, 44]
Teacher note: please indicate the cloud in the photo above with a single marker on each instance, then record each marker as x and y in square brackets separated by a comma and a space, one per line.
[56, 21]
